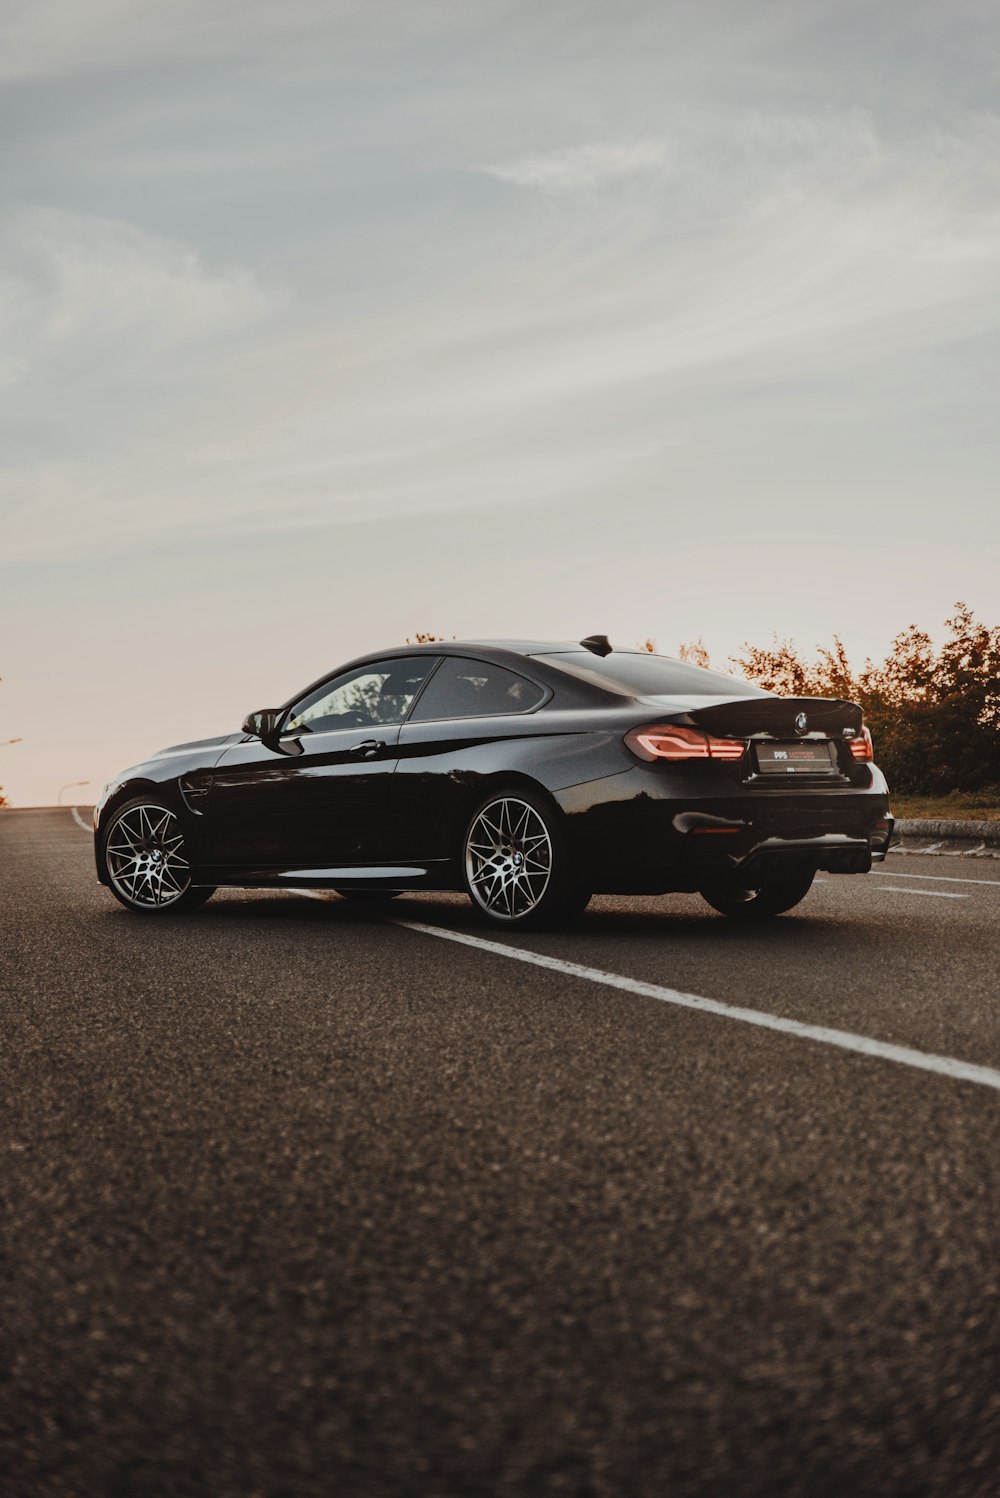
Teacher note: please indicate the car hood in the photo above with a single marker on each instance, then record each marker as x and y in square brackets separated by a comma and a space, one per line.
[218, 742]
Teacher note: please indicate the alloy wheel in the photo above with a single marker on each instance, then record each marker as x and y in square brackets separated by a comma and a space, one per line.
[508, 858]
[145, 856]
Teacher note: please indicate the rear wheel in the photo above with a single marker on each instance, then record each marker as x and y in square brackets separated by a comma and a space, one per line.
[146, 859]
[772, 898]
[516, 863]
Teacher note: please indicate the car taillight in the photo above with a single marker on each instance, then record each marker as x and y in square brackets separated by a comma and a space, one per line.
[861, 747]
[670, 741]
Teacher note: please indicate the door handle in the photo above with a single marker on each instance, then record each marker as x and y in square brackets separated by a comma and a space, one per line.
[369, 748]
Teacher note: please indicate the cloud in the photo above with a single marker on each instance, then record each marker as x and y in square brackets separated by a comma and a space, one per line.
[40, 38]
[481, 354]
[582, 168]
[48, 38]
[113, 341]
[537, 367]
[45, 39]
[74, 283]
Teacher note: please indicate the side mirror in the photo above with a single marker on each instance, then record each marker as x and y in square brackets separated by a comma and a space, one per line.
[263, 725]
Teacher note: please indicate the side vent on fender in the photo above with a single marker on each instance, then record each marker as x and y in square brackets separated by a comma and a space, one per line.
[194, 795]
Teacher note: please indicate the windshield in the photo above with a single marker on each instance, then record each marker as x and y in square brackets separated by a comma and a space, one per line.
[637, 674]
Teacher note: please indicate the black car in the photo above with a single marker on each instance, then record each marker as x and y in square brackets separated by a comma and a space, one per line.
[529, 774]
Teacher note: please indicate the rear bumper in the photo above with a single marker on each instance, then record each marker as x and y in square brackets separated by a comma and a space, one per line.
[645, 842]
[744, 852]
[779, 857]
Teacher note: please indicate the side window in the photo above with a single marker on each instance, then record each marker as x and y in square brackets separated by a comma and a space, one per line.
[473, 689]
[375, 694]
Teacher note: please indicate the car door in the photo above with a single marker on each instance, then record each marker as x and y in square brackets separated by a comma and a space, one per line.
[320, 796]
[461, 728]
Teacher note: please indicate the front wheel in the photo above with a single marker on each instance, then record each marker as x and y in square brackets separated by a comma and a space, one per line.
[772, 898]
[517, 866]
[146, 859]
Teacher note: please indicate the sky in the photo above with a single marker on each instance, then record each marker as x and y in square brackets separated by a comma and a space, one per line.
[326, 322]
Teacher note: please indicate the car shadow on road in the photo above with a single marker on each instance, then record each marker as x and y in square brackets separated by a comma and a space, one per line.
[650, 917]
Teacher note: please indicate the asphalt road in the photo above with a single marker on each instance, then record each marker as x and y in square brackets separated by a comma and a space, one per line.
[300, 1202]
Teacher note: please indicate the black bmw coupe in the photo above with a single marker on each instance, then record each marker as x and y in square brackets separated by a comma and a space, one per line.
[529, 774]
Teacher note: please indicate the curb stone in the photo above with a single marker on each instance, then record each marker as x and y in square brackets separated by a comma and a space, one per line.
[952, 839]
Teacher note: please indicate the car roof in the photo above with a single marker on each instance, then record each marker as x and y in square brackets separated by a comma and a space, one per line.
[520, 647]
[541, 647]
[508, 647]
[499, 651]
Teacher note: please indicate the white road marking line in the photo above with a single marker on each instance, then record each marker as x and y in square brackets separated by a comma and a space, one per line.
[79, 820]
[939, 894]
[947, 1066]
[947, 879]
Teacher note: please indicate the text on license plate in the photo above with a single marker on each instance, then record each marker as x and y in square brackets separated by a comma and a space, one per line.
[796, 758]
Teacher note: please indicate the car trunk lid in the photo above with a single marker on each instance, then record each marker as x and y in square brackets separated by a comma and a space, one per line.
[777, 717]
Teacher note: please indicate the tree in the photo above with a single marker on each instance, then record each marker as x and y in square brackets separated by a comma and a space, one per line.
[696, 653]
[939, 714]
[935, 715]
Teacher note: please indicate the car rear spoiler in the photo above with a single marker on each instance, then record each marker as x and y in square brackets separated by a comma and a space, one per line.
[779, 717]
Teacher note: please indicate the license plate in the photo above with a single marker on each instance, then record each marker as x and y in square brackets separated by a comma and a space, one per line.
[810, 758]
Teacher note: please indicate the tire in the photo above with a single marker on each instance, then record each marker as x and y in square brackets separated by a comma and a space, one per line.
[145, 856]
[772, 898]
[516, 865]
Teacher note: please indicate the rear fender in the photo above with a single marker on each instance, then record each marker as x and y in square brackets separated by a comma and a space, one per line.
[507, 780]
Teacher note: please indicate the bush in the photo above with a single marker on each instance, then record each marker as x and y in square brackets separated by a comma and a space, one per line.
[934, 715]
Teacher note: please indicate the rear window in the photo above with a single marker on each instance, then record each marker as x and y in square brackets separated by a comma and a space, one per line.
[641, 675]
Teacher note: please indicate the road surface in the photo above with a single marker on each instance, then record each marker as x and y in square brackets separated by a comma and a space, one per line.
[303, 1203]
